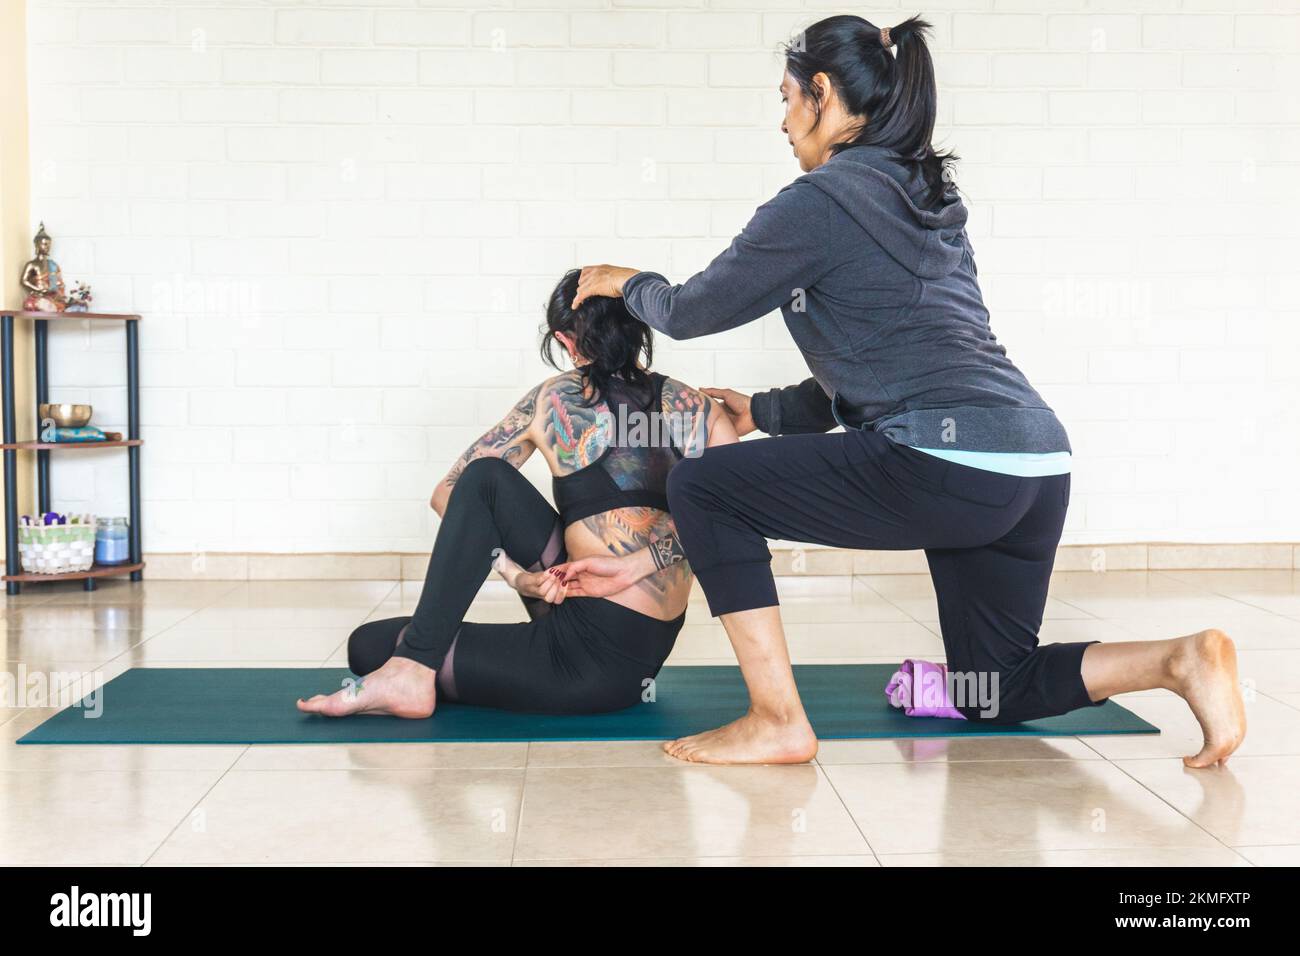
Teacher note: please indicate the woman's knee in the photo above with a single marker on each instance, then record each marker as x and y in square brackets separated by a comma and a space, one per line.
[482, 478]
[989, 694]
[485, 472]
[688, 478]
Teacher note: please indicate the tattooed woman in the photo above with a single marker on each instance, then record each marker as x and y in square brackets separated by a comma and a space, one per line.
[610, 431]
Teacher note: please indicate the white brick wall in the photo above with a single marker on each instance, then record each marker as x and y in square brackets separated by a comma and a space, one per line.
[341, 220]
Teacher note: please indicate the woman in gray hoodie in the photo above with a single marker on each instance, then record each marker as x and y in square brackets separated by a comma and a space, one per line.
[946, 446]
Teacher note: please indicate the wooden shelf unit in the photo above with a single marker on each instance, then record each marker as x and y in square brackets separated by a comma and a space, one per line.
[75, 316]
[69, 445]
[96, 571]
[134, 565]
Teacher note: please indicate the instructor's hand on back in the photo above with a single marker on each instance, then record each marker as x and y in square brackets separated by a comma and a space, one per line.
[608, 280]
[601, 280]
[736, 405]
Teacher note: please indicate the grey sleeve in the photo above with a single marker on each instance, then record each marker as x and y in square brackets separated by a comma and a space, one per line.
[781, 250]
[793, 410]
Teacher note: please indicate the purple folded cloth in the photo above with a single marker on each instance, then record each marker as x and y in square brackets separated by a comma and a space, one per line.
[920, 688]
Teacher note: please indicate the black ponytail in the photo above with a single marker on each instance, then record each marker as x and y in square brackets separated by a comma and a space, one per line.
[896, 94]
[607, 335]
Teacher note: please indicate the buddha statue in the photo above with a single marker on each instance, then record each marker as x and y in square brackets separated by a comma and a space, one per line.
[42, 278]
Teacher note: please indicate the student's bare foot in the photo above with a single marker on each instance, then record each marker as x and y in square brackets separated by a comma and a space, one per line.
[1204, 669]
[401, 688]
[751, 739]
[544, 584]
[507, 567]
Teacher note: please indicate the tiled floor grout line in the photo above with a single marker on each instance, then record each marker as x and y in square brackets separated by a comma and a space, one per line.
[221, 776]
[235, 585]
[821, 768]
[244, 751]
[396, 585]
[1088, 616]
[169, 627]
[1246, 603]
[1172, 575]
[1278, 700]
[897, 607]
[523, 792]
[1117, 766]
[239, 756]
[1117, 762]
[187, 814]
[1223, 594]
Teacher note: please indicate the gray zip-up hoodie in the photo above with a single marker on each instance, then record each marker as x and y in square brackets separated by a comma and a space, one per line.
[882, 299]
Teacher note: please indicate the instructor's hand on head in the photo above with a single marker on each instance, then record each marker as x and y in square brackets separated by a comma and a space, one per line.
[601, 280]
[736, 405]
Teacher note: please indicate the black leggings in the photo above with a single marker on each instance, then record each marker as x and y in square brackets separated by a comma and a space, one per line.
[990, 540]
[585, 655]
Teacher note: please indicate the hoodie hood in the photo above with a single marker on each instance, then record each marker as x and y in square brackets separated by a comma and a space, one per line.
[875, 189]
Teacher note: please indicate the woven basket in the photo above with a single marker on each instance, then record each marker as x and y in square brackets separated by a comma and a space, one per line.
[56, 548]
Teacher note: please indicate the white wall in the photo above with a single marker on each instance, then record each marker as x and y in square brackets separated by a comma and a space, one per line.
[341, 219]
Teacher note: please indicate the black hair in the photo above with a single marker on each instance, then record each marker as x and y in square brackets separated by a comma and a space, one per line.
[606, 333]
[896, 94]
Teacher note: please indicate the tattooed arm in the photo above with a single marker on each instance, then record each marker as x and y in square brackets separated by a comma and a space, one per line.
[510, 439]
[602, 576]
[704, 422]
[641, 541]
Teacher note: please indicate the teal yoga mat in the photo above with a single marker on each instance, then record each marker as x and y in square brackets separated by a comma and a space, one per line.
[239, 705]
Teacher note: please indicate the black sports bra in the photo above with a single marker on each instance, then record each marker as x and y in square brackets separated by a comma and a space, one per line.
[633, 469]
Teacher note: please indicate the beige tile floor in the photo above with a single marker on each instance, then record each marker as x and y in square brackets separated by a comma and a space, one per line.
[1096, 801]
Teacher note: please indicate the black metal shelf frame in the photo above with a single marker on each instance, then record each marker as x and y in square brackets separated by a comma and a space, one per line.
[43, 455]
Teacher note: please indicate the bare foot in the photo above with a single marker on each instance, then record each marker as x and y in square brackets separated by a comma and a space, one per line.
[401, 688]
[544, 584]
[1204, 668]
[751, 739]
[507, 567]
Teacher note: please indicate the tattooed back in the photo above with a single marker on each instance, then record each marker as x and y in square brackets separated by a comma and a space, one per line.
[631, 435]
[636, 449]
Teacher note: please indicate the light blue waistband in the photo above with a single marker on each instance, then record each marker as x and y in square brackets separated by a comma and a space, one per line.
[1021, 464]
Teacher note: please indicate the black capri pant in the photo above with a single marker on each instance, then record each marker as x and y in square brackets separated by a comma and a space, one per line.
[585, 655]
[990, 540]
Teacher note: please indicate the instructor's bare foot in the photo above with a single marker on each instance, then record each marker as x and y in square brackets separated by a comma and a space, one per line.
[751, 739]
[1204, 668]
[401, 688]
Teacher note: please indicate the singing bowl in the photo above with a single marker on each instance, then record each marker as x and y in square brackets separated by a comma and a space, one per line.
[67, 416]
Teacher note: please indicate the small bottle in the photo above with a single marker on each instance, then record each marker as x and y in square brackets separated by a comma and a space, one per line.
[112, 542]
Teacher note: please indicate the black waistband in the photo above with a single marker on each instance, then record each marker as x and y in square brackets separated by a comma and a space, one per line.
[622, 499]
[608, 609]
